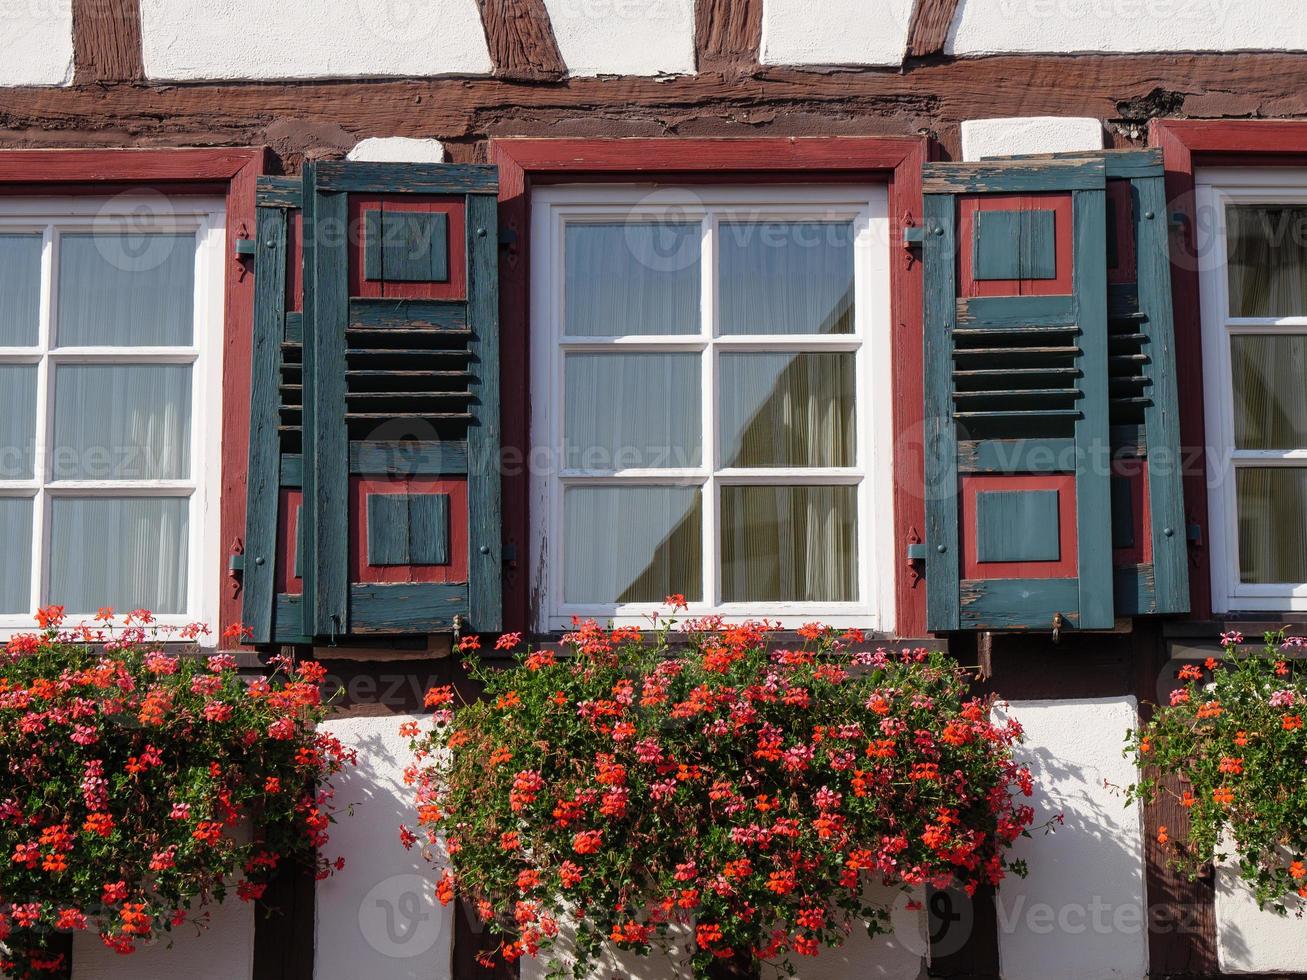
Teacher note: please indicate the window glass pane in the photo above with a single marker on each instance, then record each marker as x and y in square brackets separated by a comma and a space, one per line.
[1272, 532]
[632, 411]
[122, 422]
[782, 277]
[20, 290]
[632, 544]
[17, 421]
[789, 544]
[129, 553]
[787, 409]
[16, 568]
[1267, 260]
[632, 278]
[1270, 398]
[131, 289]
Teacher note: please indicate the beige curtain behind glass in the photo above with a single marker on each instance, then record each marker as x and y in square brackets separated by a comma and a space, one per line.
[1267, 260]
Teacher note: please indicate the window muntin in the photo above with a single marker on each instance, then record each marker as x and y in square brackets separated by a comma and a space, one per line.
[1253, 275]
[110, 319]
[714, 435]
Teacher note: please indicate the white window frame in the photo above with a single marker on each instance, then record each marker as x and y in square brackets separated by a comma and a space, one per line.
[1216, 189]
[868, 208]
[205, 217]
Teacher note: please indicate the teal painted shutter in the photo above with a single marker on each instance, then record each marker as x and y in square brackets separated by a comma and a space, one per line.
[276, 387]
[400, 403]
[1018, 481]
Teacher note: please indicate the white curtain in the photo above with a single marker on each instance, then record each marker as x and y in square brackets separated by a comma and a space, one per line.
[126, 290]
[632, 543]
[632, 411]
[17, 420]
[129, 553]
[122, 422]
[1267, 260]
[789, 544]
[15, 554]
[20, 290]
[781, 409]
[786, 277]
[632, 278]
[1272, 529]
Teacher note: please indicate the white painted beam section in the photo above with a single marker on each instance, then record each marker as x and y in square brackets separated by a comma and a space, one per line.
[1067, 26]
[224, 951]
[1080, 914]
[238, 39]
[984, 138]
[624, 37]
[36, 42]
[1249, 940]
[836, 32]
[379, 918]
[397, 149]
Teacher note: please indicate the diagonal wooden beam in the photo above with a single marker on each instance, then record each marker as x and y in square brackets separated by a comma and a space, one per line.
[931, 20]
[107, 41]
[727, 34]
[521, 40]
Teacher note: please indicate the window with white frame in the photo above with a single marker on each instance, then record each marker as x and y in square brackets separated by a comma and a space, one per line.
[1253, 274]
[710, 380]
[110, 359]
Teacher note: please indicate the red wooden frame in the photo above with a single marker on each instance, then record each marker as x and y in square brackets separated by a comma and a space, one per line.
[1063, 245]
[229, 171]
[1067, 564]
[1186, 144]
[453, 288]
[363, 487]
[528, 163]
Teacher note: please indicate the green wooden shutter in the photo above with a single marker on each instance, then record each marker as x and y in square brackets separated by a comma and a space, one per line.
[276, 386]
[399, 465]
[1017, 396]
[994, 480]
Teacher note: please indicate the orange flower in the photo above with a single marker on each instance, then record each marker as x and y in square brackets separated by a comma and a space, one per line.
[1223, 795]
[49, 617]
[587, 842]
[1162, 836]
[1291, 722]
[1241, 739]
[1212, 709]
[1231, 765]
[1187, 799]
[1298, 870]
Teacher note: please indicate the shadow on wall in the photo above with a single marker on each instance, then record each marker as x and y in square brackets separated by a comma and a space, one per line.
[1250, 940]
[379, 916]
[1080, 915]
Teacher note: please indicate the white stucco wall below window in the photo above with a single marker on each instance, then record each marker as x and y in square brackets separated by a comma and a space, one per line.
[1019, 135]
[378, 918]
[36, 42]
[233, 39]
[1080, 913]
[1250, 940]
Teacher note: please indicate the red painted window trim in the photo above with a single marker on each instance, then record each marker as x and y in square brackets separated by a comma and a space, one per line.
[1186, 144]
[228, 171]
[527, 163]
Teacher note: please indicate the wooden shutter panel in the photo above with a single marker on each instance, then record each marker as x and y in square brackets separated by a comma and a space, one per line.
[1017, 417]
[399, 472]
[276, 392]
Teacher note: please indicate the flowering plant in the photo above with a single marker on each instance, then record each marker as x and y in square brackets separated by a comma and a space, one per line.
[1233, 734]
[135, 785]
[709, 781]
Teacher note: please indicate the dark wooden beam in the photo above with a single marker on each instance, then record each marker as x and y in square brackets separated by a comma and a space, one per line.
[521, 40]
[931, 20]
[283, 925]
[107, 41]
[727, 34]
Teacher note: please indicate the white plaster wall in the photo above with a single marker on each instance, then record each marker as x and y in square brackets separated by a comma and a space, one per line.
[237, 39]
[1080, 913]
[983, 138]
[993, 26]
[397, 149]
[1249, 940]
[36, 42]
[839, 32]
[378, 918]
[624, 37]
[223, 951]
